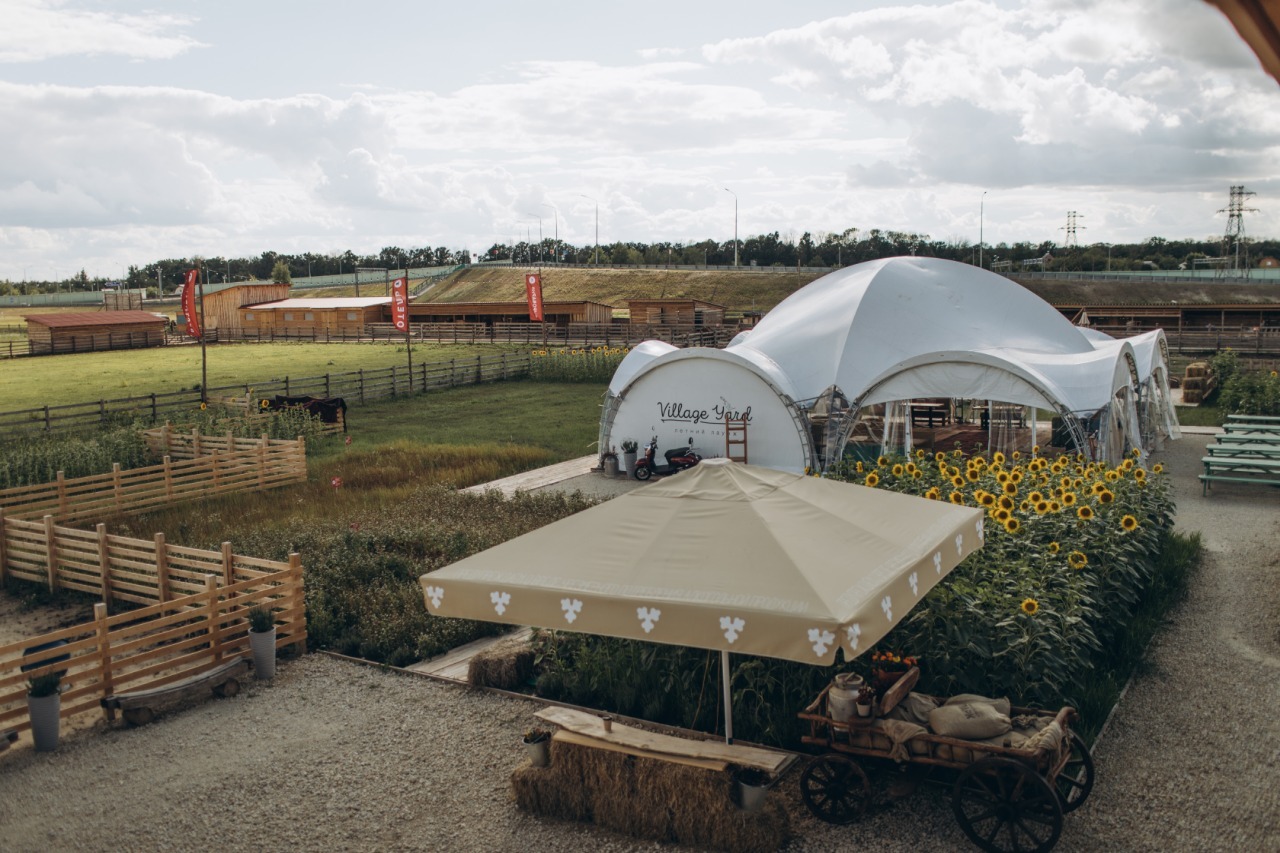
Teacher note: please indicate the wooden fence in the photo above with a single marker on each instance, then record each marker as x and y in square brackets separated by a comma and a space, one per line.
[359, 385]
[194, 619]
[210, 468]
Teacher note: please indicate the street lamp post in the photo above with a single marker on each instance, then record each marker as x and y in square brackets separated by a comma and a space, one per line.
[597, 255]
[981, 203]
[556, 213]
[735, 224]
[538, 216]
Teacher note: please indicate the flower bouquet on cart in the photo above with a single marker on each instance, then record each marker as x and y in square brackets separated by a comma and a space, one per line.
[887, 667]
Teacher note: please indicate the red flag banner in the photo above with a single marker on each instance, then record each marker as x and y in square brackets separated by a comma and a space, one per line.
[400, 304]
[189, 303]
[533, 290]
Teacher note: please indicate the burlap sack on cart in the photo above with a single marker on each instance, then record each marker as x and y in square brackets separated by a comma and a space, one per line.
[914, 708]
[969, 720]
[1002, 704]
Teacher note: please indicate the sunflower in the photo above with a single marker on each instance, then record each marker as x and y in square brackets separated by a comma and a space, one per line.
[1112, 476]
[1098, 488]
[1016, 476]
[859, 468]
[987, 499]
[1105, 496]
[997, 458]
[974, 475]
[939, 456]
[1002, 477]
[1010, 489]
[1136, 452]
[957, 498]
[1012, 525]
[1129, 523]
[1035, 448]
[1157, 468]
[1054, 506]
[919, 454]
[1054, 547]
[1002, 515]
[1127, 465]
[917, 474]
[1042, 507]
[1006, 502]
[1139, 475]
[898, 470]
[881, 461]
[1077, 560]
[933, 494]
[203, 407]
[872, 479]
[911, 468]
[1056, 468]
[1017, 454]
[1030, 606]
[957, 481]
[1025, 506]
[1085, 512]
[1035, 497]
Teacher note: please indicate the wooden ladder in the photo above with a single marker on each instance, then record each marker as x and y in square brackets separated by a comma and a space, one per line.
[735, 436]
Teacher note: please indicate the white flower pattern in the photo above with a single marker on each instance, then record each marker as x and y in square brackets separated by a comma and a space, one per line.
[886, 604]
[436, 594]
[853, 632]
[960, 544]
[648, 617]
[571, 607]
[937, 561]
[500, 601]
[914, 580]
[821, 640]
[732, 627]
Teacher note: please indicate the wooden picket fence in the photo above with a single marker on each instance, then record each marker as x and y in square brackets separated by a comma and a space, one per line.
[196, 617]
[204, 466]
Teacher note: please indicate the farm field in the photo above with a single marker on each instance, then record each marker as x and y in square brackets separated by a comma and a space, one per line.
[80, 377]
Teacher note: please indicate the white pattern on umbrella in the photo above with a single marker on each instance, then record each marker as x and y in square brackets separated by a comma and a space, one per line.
[500, 601]
[648, 616]
[436, 594]
[732, 627]
[914, 580]
[854, 632]
[937, 561]
[821, 640]
[571, 607]
[960, 544]
[977, 525]
[886, 604]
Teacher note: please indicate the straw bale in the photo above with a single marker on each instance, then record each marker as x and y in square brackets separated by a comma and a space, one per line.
[648, 798]
[506, 665]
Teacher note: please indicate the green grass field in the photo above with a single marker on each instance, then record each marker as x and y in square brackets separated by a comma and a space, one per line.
[81, 377]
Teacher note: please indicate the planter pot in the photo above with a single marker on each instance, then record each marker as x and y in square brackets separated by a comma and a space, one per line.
[863, 710]
[45, 712]
[610, 465]
[539, 751]
[884, 679]
[753, 786]
[628, 461]
[263, 646]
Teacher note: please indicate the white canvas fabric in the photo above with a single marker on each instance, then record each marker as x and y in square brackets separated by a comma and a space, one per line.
[722, 556]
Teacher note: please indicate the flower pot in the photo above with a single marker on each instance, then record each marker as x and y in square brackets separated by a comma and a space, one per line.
[863, 710]
[262, 644]
[45, 713]
[539, 751]
[610, 465]
[883, 679]
[628, 461]
[753, 787]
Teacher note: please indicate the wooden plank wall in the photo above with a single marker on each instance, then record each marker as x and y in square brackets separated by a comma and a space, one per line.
[161, 643]
[262, 464]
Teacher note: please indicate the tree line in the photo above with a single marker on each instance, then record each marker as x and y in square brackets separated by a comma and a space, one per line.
[825, 250]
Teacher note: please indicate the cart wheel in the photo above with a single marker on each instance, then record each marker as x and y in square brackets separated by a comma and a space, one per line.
[643, 472]
[835, 789]
[1005, 807]
[1075, 781]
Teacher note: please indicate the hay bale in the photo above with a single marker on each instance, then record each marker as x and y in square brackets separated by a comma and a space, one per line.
[648, 798]
[506, 665]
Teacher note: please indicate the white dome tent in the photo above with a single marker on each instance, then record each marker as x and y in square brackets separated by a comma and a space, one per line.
[854, 348]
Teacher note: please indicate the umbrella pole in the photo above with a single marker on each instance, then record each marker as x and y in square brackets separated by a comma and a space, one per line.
[728, 707]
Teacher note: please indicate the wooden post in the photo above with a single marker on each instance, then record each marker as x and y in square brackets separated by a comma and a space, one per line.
[62, 495]
[51, 552]
[104, 564]
[228, 565]
[4, 552]
[213, 617]
[393, 380]
[197, 450]
[104, 655]
[295, 601]
[168, 476]
[360, 375]
[231, 441]
[300, 459]
[162, 568]
[214, 467]
[262, 462]
[168, 439]
[116, 486]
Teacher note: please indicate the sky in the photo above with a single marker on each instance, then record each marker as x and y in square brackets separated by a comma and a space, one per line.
[134, 131]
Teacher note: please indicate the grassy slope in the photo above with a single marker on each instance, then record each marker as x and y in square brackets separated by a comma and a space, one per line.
[80, 377]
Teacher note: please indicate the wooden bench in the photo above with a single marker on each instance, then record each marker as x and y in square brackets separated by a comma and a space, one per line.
[7, 736]
[139, 707]
[1239, 469]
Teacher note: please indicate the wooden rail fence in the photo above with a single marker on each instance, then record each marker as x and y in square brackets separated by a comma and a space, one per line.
[210, 468]
[195, 618]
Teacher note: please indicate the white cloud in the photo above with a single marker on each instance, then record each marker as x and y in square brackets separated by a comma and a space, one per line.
[36, 30]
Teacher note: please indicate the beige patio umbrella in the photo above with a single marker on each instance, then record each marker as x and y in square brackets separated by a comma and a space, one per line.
[722, 556]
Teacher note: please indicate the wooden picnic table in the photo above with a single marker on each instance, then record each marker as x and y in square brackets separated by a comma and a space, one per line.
[928, 411]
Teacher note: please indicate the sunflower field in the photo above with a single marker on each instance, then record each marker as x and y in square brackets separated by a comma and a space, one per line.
[1071, 548]
[592, 364]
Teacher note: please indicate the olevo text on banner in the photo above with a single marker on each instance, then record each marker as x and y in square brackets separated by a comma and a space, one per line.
[400, 304]
[533, 291]
[189, 303]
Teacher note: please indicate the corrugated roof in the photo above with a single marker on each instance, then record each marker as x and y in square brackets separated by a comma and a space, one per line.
[94, 318]
[321, 302]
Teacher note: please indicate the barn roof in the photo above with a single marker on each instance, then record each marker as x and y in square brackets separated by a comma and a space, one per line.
[323, 302]
[73, 319]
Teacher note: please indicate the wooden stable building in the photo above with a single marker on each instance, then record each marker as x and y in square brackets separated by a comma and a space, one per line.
[339, 315]
[222, 303]
[676, 312]
[89, 331]
[555, 313]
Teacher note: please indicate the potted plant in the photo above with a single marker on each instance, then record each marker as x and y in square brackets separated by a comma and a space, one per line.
[609, 462]
[866, 698]
[753, 785]
[262, 641]
[44, 706]
[629, 448]
[887, 667]
[537, 742]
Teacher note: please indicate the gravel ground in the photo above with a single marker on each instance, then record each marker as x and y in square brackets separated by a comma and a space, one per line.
[335, 756]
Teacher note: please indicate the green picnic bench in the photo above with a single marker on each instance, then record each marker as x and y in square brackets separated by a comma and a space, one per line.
[1256, 450]
[1239, 469]
[1251, 428]
[1256, 419]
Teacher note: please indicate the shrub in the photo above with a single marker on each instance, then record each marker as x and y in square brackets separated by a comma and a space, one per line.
[596, 364]
[31, 460]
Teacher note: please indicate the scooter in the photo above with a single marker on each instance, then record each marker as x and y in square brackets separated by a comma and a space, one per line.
[678, 459]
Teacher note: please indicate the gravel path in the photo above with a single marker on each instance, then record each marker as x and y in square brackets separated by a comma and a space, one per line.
[335, 756]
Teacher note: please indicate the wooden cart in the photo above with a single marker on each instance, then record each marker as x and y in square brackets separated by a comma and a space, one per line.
[1005, 799]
